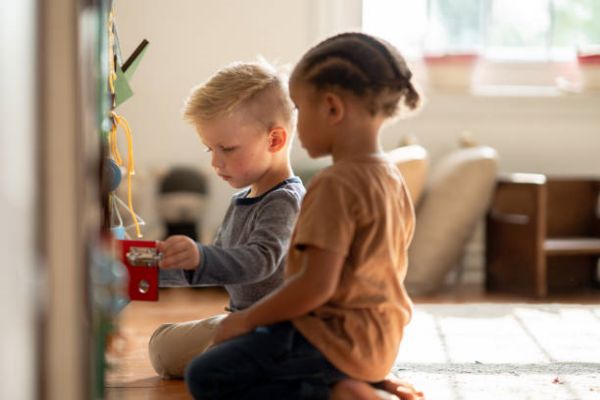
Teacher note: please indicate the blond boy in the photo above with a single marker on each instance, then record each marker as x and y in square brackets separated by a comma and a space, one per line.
[245, 119]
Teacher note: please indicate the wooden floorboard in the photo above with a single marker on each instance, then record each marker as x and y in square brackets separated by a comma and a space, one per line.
[132, 377]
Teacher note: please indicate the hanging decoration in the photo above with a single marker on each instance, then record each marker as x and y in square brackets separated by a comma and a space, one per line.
[120, 91]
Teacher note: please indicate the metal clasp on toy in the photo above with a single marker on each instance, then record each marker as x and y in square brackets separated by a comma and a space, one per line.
[143, 256]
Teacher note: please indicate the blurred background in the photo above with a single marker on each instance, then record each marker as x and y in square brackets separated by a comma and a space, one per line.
[520, 77]
[523, 95]
[504, 74]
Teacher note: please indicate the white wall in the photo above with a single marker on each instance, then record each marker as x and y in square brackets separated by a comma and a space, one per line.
[189, 40]
[18, 286]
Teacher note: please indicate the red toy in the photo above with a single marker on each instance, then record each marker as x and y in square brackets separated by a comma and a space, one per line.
[141, 259]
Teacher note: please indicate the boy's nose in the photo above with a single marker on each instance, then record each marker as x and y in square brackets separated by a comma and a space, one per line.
[216, 161]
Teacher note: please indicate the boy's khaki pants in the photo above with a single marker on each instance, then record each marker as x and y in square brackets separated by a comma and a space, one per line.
[173, 346]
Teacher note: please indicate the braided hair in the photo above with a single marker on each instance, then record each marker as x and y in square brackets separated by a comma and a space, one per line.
[364, 65]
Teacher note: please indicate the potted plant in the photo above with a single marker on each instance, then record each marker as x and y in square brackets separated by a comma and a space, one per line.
[451, 71]
[589, 65]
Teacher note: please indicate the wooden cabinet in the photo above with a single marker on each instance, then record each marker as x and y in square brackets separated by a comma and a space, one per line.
[543, 234]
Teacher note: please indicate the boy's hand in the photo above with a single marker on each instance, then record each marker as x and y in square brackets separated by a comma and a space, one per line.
[235, 324]
[179, 252]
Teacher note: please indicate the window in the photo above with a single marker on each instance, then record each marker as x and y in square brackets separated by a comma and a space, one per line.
[403, 23]
[531, 30]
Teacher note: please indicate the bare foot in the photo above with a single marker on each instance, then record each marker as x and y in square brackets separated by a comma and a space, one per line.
[404, 390]
[350, 389]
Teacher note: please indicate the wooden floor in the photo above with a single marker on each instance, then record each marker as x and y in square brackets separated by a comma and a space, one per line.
[132, 377]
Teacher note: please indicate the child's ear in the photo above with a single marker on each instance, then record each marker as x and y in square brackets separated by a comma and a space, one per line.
[335, 108]
[277, 138]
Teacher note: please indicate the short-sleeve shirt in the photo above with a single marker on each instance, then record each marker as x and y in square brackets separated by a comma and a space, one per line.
[359, 208]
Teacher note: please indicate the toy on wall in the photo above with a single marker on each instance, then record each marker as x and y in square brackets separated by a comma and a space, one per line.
[139, 256]
[141, 259]
[120, 90]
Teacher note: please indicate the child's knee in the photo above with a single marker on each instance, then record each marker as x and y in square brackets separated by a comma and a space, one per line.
[160, 352]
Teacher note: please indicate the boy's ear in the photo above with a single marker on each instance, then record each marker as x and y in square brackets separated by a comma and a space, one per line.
[335, 108]
[277, 138]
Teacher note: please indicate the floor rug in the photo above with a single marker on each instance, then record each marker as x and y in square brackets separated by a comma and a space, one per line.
[503, 351]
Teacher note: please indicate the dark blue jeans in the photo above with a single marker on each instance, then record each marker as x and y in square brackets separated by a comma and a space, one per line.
[273, 362]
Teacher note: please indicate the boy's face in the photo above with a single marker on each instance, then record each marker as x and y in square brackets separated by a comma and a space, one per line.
[239, 148]
[313, 139]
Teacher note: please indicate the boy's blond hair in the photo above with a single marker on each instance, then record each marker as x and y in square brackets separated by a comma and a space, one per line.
[257, 86]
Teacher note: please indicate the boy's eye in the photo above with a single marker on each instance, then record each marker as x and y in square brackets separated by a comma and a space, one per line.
[228, 149]
[207, 149]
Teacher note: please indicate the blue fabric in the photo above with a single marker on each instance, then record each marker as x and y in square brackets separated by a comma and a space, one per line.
[274, 362]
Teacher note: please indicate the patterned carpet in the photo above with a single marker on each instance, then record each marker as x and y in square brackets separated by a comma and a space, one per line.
[503, 351]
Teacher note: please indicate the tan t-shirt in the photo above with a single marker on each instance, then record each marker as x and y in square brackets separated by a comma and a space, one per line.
[359, 208]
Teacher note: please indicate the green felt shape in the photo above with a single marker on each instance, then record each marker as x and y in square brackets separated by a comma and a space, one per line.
[134, 59]
[122, 89]
[125, 72]
[134, 64]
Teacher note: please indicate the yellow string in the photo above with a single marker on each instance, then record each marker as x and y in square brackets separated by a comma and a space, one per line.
[120, 121]
[111, 81]
[112, 141]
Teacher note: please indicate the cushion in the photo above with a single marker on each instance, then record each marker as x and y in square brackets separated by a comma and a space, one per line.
[413, 163]
[456, 198]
